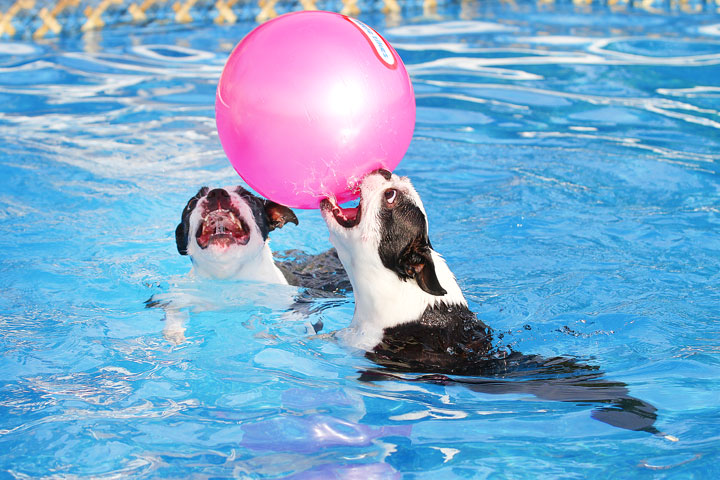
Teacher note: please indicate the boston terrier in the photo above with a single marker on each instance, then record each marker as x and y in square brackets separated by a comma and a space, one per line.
[225, 233]
[411, 316]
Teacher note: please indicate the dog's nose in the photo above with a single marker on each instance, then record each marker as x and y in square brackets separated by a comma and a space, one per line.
[218, 193]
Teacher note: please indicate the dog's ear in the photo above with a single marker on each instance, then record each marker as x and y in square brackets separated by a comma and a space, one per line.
[181, 239]
[416, 262]
[183, 229]
[405, 248]
[278, 215]
[268, 214]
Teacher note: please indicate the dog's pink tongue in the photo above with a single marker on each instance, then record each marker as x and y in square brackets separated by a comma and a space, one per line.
[223, 241]
[228, 232]
[349, 213]
[222, 231]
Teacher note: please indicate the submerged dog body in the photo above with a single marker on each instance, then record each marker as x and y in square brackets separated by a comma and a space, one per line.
[224, 231]
[411, 316]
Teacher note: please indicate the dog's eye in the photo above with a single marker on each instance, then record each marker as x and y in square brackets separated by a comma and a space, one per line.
[390, 196]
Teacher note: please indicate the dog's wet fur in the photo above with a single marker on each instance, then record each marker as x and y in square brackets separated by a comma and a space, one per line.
[225, 232]
[413, 321]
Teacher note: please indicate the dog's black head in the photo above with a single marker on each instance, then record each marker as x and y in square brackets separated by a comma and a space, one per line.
[223, 218]
[389, 224]
[404, 244]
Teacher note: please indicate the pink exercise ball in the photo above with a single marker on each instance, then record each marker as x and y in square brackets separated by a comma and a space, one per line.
[310, 102]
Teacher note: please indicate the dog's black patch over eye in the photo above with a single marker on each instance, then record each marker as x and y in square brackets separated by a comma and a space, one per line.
[404, 244]
[268, 214]
[183, 229]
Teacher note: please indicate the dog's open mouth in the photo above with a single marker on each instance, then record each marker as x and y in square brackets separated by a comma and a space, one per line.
[346, 217]
[222, 228]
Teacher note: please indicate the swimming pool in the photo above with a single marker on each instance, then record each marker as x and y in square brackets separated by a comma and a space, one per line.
[568, 162]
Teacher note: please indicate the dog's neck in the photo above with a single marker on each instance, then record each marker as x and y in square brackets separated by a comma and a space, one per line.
[382, 300]
[259, 268]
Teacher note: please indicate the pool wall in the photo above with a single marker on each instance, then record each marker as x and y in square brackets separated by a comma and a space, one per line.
[39, 19]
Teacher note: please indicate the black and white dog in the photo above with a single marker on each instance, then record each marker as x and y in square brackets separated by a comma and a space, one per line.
[411, 316]
[403, 289]
[225, 231]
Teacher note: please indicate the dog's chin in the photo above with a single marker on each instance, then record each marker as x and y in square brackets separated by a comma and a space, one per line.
[334, 214]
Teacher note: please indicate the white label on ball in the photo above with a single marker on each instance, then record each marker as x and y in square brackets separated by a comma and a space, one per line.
[381, 48]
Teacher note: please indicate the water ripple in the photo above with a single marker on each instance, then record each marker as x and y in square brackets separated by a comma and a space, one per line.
[449, 28]
[568, 166]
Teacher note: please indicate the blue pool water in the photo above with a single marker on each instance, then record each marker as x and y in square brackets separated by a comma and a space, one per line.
[569, 164]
